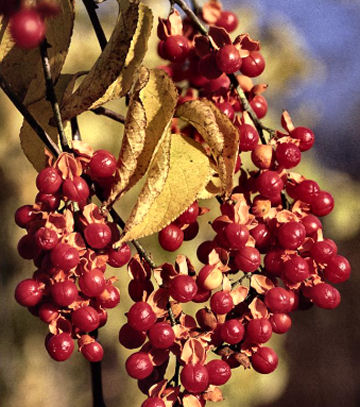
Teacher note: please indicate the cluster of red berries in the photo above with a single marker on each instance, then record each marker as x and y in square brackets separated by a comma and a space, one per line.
[70, 242]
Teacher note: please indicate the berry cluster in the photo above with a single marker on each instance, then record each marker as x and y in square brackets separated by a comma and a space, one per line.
[69, 241]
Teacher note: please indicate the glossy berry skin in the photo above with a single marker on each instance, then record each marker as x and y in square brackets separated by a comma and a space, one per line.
[219, 372]
[46, 239]
[247, 259]
[204, 250]
[93, 351]
[323, 251]
[102, 164]
[76, 190]
[291, 235]
[232, 331]
[227, 109]
[296, 269]
[119, 257]
[189, 216]
[288, 155]
[48, 181]
[325, 296]
[141, 317]
[171, 237]
[269, 184]
[85, 318]
[258, 331]
[306, 137]
[208, 67]
[64, 293]
[280, 322]
[323, 204]
[24, 215]
[28, 293]
[228, 59]
[110, 297]
[312, 224]
[64, 256]
[27, 28]
[237, 235]
[131, 338]
[153, 402]
[27, 247]
[48, 312]
[337, 270]
[161, 335]
[221, 302]
[277, 300]
[183, 288]
[195, 378]
[249, 137]
[139, 366]
[265, 360]
[209, 278]
[259, 106]
[273, 262]
[262, 236]
[60, 347]
[97, 235]
[191, 231]
[307, 191]
[253, 65]
[48, 202]
[227, 20]
[92, 283]
[176, 48]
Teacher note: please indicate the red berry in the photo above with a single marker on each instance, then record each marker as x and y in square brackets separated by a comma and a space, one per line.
[323, 204]
[48, 202]
[217, 84]
[46, 239]
[291, 235]
[24, 215]
[131, 338]
[110, 297]
[27, 28]
[176, 48]
[209, 278]
[323, 251]
[253, 65]
[273, 262]
[258, 331]
[249, 137]
[269, 184]
[76, 190]
[92, 283]
[102, 164]
[280, 322]
[219, 372]
[191, 231]
[171, 237]
[337, 270]
[137, 288]
[141, 316]
[221, 302]
[325, 296]
[288, 155]
[259, 106]
[153, 402]
[262, 235]
[265, 360]
[64, 256]
[227, 20]
[237, 235]
[208, 67]
[93, 351]
[189, 216]
[195, 378]
[228, 59]
[48, 180]
[28, 293]
[27, 248]
[232, 331]
[307, 191]
[296, 269]
[277, 300]
[161, 335]
[204, 250]
[228, 110]
[312, 224]
[306, 137]
[119, 257]
[59, 347]
[48, 312]
[64, 293]
[97, 235]
[183, 288]
[139, 366]
[247, 259]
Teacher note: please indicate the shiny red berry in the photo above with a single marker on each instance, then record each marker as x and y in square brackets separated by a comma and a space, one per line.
[249, 137]
[92, 283]
[288, 155]
[27, 28]
[161, 335]
[337, 270]
[237, 235]
[27, 247]
[296, 269]
[183, 288]
[273, 262]
[141, 316]
[46, 239]
[176, 48]
[232, 331]
[48, 312]
[97, 235]
[269, 184]
[221, 302]
[219, 372]
[64, 293]
[93, 351]
[228, 59]
[48, 180]
[153, 402]
[306, 137]
[247, 259]
[64, 256]
[139, 366]
[278, 300]
[323, 251]
[227, 20]
[171, 237]
[60, 347]
[28, 293]
[85, 318]
[102, 164]
[204, 250]
[259, 106]
[265, 360]
[48, 202]
[195, 378]
[110, 297]
[325, 296]
[119, 257]
[190, 215]
[312, 224]
[227, 109]
[258, 330]
[76, 190]
[291, 235]
[322, 204]
[280, 322]
[307, 191]
[24, 216]
[253, 65]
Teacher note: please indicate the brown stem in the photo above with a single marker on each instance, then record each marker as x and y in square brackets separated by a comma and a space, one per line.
[50, 94]
[103, 111]
[91, 10]
[75, 131]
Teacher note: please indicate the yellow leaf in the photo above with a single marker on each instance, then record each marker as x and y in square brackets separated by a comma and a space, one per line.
[32, 146]
[188, 174]
[113, 72]
[23, 68]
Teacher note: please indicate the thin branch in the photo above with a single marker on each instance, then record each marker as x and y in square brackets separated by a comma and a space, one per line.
[103, 111]
[50, 94]
[193, 17]
[44, 137]
[75, 131]
[91, 10]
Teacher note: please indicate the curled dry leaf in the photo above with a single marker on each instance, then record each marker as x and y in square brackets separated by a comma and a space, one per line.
[189, 173]
[23, 68]
[239, 293]
[193, 351]
[261, 284]
[258, 308]
[149, 116]
[158, 301]
[213, 394]
[189, 400]
[286, 122]
[112, 75]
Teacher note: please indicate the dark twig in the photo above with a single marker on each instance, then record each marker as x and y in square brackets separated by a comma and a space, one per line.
[50, 94]
[91, 10]
[96, 384]
[44, 137]
[103, 111]
[191, 14]
[75, 131]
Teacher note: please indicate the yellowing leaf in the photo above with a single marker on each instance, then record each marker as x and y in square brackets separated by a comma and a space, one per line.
[22, 68]
[32, 146]
[112, 74]
[189, 173]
